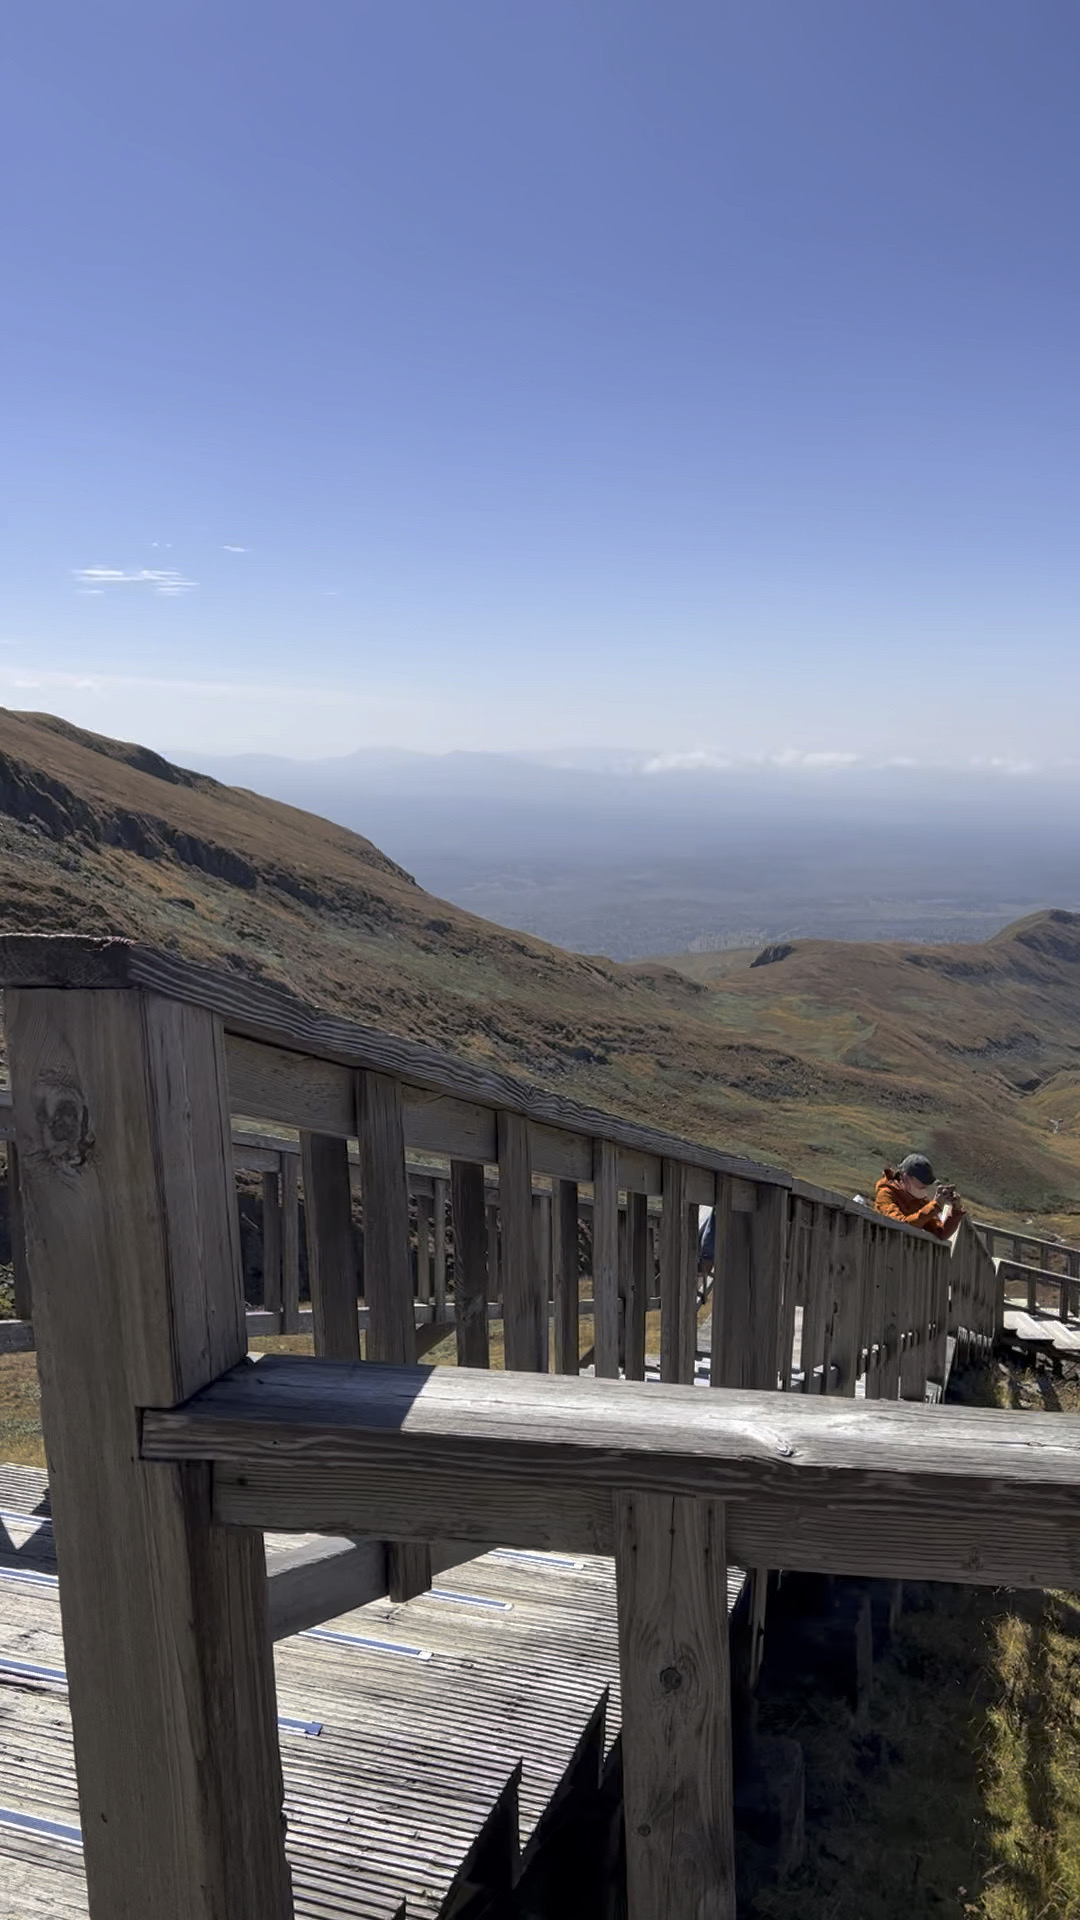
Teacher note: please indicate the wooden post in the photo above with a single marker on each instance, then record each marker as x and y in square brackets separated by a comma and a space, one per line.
[290, 1243]
[524, 1302]
[331, 1247]
[564, 1251]
[391, 1334]
[671, 1570]
[122, 1121]
[748, 1291]
[271, 1242]
[470, 1263]
[23, 1301]
[637, 1289]
[606, 1259]
[674, 1307]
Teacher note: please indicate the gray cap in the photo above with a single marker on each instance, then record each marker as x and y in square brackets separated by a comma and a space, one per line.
[918, 1166]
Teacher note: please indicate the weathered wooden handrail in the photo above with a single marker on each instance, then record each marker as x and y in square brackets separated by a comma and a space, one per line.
[942, 1493]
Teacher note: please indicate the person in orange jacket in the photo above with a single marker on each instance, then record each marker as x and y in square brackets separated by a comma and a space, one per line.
[910, 1192]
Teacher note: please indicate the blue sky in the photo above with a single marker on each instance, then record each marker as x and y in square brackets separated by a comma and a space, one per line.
[539, 373]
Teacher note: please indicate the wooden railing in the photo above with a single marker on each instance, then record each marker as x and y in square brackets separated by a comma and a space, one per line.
[169, 1451]
[1029, 1249]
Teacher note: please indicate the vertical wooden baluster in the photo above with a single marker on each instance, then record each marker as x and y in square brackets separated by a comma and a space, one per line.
[122, 1118]
[439, 1263]
[331, 1245]
[671, 1572]
[290, 1242]
[637, 1291]
[747, 1299]
[813, 1325]
[846, 1340]
[622, 1266]
[606, 1259]
[874, 1244]
[889, 1382]
[495, 1292]
[423, 1247]
[524, 1299]
[564, 1244]
[541, 1226]
[729, 1303]
[470, 1263]
[23, 1302]
[271, 1242]
[794, 1287]
[673, 1229]
[391, 1332]
[688, 1314]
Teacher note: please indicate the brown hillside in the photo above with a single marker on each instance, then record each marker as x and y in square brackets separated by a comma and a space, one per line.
[827, 1059]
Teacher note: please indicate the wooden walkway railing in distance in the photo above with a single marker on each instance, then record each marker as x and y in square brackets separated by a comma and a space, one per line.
[168, 1448]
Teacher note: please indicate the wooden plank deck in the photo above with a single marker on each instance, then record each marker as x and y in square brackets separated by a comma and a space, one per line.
[413, 1737]
[1040, 1331]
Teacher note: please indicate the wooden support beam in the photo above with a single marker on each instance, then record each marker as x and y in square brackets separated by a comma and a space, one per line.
[565, 1285]
[606, 1259]
[391, 1334]
[525, 1330]
[470, 1263]
[331, 1248]
[133, 1243]
[322, 1579]
[637, 1290]
[671, 1573]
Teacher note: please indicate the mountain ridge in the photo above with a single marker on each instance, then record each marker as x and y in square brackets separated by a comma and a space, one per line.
[830, 1059]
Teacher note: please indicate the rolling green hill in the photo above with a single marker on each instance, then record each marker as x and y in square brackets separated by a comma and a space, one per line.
[827, 1060]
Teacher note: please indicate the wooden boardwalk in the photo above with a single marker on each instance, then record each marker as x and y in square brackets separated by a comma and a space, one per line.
[423, 1745]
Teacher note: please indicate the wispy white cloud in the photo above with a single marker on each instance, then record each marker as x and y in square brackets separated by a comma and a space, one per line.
[227, 549]
[165, 580]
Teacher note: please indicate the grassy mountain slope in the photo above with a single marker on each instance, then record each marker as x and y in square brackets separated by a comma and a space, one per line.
[827, 1061]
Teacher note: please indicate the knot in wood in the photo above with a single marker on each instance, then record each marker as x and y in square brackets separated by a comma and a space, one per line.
[63, 1124]
[670, 1679]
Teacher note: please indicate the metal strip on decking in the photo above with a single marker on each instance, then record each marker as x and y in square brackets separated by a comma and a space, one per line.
[415, 1759]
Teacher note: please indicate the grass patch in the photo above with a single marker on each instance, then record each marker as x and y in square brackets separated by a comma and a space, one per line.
[20, 1411]
[963, 1797]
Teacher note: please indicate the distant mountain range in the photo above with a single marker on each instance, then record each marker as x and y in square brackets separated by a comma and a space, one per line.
[829, 1060]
